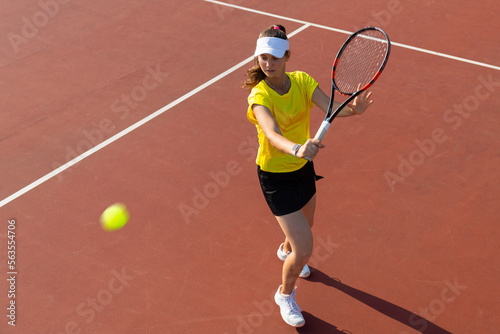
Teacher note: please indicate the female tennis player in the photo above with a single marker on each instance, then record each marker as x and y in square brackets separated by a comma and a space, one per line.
[279, 106]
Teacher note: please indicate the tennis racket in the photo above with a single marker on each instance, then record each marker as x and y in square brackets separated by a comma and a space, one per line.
[359, 63]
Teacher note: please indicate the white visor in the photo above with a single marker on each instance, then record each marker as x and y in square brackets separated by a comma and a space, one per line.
[271, 45]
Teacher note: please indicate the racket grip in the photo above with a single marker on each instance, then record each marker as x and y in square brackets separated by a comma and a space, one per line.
[322, 130]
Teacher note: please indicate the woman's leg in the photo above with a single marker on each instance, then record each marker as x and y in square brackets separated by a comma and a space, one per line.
[297, 229]
[308, 210]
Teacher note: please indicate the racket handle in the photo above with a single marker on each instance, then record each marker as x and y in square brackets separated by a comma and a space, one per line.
[322, 130]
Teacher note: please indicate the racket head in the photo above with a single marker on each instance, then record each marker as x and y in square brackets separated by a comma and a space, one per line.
[361, 60]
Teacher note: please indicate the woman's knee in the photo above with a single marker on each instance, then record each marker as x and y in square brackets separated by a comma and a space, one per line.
[307, 252]
[303, 248]
[298, 233]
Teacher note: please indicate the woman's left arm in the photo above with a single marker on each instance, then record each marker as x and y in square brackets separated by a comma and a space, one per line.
[356, 107]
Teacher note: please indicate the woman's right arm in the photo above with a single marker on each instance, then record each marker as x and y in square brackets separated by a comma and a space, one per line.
[273, 133]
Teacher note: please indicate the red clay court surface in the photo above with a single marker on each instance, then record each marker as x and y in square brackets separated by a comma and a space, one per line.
[407, 218]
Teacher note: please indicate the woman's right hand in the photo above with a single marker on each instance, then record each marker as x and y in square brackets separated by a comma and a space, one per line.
[310, 149]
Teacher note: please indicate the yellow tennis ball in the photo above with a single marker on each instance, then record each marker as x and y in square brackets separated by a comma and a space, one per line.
[114, 217]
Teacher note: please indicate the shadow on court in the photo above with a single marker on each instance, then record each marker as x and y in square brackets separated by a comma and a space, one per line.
[315, 325]
[393, 311]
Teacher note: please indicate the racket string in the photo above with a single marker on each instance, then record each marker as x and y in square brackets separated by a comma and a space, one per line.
[360, 60]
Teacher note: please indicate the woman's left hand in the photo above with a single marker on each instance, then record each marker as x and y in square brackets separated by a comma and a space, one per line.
[361, 102]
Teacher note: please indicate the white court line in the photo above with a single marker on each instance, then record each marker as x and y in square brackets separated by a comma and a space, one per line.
[435, 53]
[131, 128]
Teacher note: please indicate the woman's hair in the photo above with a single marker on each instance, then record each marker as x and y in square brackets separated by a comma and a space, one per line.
[255, 74]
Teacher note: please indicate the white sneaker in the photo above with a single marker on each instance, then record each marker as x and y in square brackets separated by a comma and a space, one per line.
[290, 311]
[282, 256]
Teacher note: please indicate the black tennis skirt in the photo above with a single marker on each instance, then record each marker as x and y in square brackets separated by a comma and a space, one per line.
[288, 192]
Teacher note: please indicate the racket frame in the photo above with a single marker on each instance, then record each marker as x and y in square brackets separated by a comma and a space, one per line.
[351, 96]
